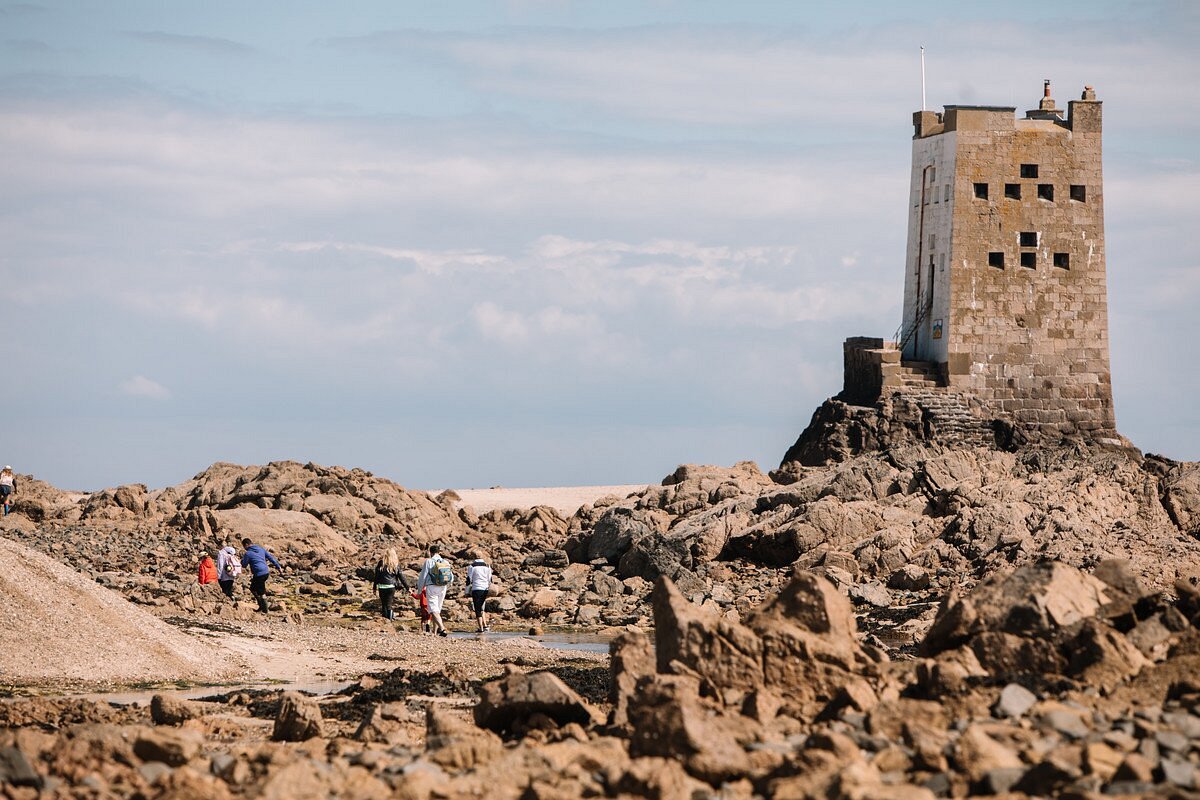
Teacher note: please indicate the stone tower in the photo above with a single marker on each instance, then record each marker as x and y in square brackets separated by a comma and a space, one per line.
[1005, 295]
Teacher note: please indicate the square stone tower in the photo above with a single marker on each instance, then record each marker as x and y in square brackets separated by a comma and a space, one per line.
[1005, 294]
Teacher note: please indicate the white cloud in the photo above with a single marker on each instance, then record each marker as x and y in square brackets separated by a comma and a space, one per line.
[865, 76]
[689, 220]
[141, 386]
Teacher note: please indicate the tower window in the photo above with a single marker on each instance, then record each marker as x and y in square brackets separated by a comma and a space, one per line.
[996, 260]
[981, 191]
[1046, 191]
[1028, 238]
[1029, 170]
[1029, 260]
[947, 195]
[1078, 193]
[1062, 260]
[1012, 191]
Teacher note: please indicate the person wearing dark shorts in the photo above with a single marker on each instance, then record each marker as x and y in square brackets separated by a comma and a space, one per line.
[257, 559]
[479, 581]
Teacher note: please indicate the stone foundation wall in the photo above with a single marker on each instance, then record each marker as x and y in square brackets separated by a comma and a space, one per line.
[868, 369]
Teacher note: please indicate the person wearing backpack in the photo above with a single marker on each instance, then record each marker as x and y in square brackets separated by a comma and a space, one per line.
[228, 568]
[387, 577]
[436, 577]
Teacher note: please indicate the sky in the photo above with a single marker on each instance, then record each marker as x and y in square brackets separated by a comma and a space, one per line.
[524, 243]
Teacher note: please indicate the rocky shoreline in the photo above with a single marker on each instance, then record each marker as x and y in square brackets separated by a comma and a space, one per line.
[900, 620]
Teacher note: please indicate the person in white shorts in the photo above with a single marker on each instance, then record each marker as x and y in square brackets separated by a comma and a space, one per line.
[435, 579]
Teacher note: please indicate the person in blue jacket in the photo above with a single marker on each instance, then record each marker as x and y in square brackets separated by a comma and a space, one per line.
[256, 559]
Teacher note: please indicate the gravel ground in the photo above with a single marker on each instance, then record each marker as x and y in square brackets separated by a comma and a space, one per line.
[59, 625]
[317, 652]
[61, 631]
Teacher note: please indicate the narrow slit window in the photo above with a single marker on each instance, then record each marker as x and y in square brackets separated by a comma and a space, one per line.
[1012, 191]
[996, 260]
[1029, 170]
[946, 197]
[1046, 191]
[1028, 238]
[1078, 193]
[1062, 260]
[1029, 260]
[981, 191]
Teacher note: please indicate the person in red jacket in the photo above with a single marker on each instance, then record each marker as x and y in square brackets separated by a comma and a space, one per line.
[208, 570]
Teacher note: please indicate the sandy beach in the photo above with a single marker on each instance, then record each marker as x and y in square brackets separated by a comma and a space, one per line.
[564, 499]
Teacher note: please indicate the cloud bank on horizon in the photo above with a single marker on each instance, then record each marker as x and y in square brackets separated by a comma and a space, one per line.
[525, 243]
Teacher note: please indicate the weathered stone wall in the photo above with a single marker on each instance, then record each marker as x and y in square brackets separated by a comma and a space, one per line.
[1029, 336]
[865, 361]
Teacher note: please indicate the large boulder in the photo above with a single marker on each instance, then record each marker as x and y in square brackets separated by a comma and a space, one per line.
[672, 721]
[508, 704]
[631, 656]
[453, 743]
[700, 641]
[1038, 600]
[299, 718]
[811, 656]
[801, 646]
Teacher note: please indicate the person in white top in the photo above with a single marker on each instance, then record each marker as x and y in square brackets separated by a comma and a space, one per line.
[435, 579]
[479, 580]
[229, 566]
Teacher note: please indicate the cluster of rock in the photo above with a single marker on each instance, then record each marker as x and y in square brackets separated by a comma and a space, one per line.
[1047, 681]
[896, 520]
[904, 524]
[328, 525]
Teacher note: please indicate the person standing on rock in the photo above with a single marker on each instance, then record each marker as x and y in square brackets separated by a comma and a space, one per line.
[479, 580]
[257, 558]
[8, 485]
[387, 577]
[228, 568]
[436, 577]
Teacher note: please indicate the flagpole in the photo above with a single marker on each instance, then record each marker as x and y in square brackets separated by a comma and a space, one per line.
[922, 77]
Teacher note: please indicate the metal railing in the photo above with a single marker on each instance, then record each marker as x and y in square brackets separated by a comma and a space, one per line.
[904, 334]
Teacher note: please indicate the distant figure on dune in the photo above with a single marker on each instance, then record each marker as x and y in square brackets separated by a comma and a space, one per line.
[436, 577]
[228, 568]
[8, 485]
[387, 577]
[208, 570]
[257, 558]
[479, 580]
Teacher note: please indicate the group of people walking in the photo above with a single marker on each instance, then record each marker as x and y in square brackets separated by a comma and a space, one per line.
[433, 582]
[228, 567]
